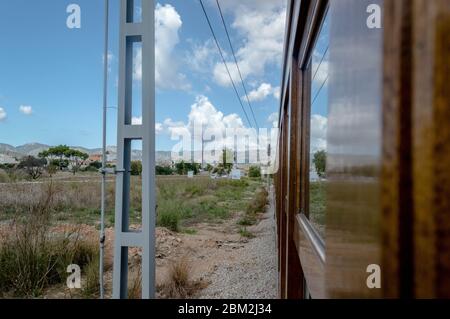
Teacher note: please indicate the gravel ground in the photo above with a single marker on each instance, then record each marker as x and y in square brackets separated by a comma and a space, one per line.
[254, 274]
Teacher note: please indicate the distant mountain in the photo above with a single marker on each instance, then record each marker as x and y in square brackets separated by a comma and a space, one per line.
[10, 154]
[32, 149]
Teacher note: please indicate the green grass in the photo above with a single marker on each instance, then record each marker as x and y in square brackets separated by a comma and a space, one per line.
[181, 202]
[245, 233]
[189, 231]
[247, 220]
[317, 204]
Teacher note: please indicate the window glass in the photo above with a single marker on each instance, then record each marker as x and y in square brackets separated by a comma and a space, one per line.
[318, 128]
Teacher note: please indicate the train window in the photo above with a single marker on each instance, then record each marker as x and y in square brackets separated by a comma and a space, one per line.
[318, 128]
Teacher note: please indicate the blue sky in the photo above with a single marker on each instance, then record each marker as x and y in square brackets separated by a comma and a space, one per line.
[51, 76]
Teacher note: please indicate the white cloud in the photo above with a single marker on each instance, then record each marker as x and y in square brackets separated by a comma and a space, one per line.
[208, 126]
[204, 114]
[167, 26]
[167, 23]
[111, 58]
[273, 118]
[320, 68]
[263, 91]
[137, 120]
[201, 57]
[277, 92]
[26, 109]
[261, 24]
[2, 114]
[158, 128]
[319, 126]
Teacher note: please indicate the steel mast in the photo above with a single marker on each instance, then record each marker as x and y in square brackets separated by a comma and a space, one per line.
[132, 32]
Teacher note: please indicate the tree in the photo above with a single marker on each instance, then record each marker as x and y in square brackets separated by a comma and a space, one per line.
[136, 168]
[33, 166]
[55, 153]
[320, 163]
[76, 158]
[63, 156]
[163, 170]
[182, 168]
[52, 169]
[254, 172]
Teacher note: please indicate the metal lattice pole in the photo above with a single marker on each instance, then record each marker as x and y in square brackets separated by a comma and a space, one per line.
[130, 33]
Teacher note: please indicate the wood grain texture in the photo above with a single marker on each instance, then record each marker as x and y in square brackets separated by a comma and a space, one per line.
[294, 274]
[396, 186]
[431, 148]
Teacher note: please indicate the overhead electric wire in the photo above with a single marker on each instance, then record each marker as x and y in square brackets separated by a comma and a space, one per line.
[224, 62]
[236, 62]
[321, 61]
[315, 74]
[318, 92]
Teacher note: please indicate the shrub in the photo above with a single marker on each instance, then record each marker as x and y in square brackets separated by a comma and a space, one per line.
[4, 178]
[169, 216]
[91, 286]
[136, 168]
[163, 170]
[179, 284]
[254, 172]
[247, 220]
[259, 202]
[245, 233]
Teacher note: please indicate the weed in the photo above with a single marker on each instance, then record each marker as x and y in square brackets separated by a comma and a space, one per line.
[245, 233]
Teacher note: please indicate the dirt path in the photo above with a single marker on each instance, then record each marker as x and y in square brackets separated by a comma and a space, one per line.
[253, 272]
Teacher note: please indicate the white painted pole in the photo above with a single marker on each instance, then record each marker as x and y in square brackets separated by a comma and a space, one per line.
[105, 110]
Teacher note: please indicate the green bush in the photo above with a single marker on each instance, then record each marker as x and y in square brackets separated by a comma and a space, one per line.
[254, 172]
[169, 219]
[170, 212]
[245, 233]
[163, 170]
[136, 168]
[246, 220]
[33, 260]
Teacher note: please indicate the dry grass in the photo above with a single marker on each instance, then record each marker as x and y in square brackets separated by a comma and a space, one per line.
[179, 284]
[32, 257]
[256, 206]
[135, 283]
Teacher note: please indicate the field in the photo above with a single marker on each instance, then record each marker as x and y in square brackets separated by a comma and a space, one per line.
[317, 206]
[59, 219]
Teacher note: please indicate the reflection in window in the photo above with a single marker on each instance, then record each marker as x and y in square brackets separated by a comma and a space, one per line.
[318, 129]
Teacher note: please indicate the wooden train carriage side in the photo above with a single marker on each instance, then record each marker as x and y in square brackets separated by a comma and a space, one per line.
[376, 222]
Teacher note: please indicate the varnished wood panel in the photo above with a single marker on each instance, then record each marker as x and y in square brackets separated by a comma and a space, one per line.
[431, 147]
[352, 239]
[396, 171]
[388, 199]
[294, 276]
